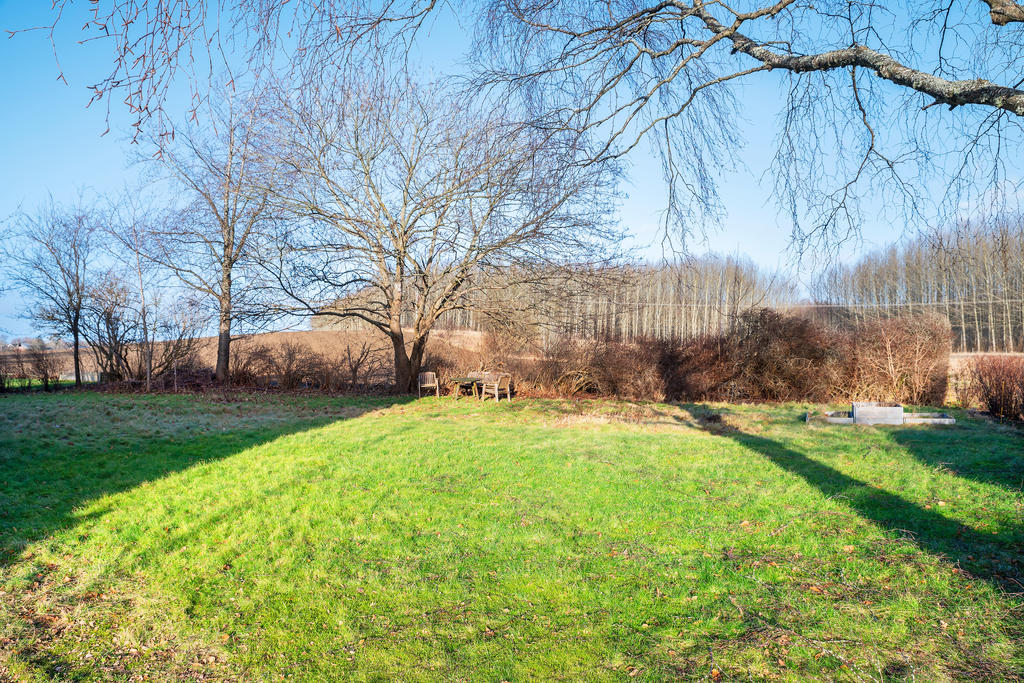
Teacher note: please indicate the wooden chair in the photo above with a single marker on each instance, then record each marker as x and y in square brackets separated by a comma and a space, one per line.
[496, 384]
[428, 381]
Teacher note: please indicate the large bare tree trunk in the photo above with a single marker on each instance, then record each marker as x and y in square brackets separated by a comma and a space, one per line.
[222, 370]
[419, 346]
[403, 365]
[76, 351]
[407, 362]
[223, 350]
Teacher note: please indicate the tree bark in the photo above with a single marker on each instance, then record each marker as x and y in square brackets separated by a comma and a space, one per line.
[1003, 12]
[403, 364]
[76, 352]
[954, 93]
[407, 363]
[419, 347]
[222, 371]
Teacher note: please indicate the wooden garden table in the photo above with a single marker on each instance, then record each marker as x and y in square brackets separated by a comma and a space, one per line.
[460, 383]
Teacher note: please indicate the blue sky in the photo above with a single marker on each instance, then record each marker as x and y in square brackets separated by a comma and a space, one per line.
[51, 143]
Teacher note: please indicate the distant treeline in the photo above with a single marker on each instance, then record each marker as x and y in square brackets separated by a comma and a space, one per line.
[973, 274]
[696, 298]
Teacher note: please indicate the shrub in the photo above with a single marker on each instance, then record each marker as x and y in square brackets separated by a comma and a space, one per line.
[187, 372]
[568, 367]
[701, 369]
[765, 356]
[45, 365]
[363, 365]
[286, 365]
[962, 390]
[606, 367]
[292, 365]
[6, 373]
[903, 359]
[772, 356]
[998, 382]
[782, 357]
[247, 363]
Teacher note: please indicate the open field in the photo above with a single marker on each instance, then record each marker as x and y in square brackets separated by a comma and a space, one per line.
[320, 341]
[327, 539]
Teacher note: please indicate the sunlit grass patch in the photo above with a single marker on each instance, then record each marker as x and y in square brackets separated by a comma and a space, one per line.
[326, 538]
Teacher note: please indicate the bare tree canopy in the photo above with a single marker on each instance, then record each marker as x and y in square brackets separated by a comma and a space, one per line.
[48, 255]
[860, 84]
[403, 199]
[208, 241]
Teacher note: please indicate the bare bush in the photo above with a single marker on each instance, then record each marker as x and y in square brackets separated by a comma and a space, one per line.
[902, 359]
[123, 339]
[782, 357]
[700, 369]
[603, 367]
[769, 356]
[290, 365]
[18, 365]
[364, 365]
[6, 373]
[963, 391]
[44, 365]
[773, 356]
[998, 382]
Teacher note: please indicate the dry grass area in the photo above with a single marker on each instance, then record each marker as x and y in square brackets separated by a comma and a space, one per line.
[958, 361]
[329, 343]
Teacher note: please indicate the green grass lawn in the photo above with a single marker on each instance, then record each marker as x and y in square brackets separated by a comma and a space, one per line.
[369, 539]
[23, 383]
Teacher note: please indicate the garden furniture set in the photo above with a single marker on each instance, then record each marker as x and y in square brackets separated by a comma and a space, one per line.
[479, 385]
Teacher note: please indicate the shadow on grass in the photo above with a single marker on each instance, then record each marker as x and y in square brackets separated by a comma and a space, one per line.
[45, 478]
[995, 557]
[998, 459]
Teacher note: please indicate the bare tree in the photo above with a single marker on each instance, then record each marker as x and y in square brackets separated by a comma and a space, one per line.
[208, 242]
[402, 200]
[865, 84]
[48, 256]
[127, 346]
[44, 364]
